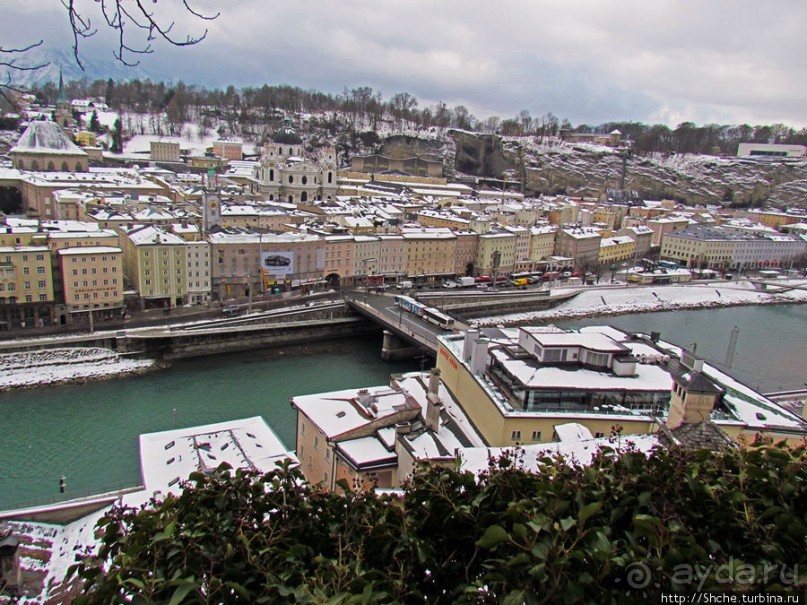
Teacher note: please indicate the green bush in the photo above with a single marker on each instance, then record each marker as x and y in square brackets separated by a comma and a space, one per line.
[622, 530]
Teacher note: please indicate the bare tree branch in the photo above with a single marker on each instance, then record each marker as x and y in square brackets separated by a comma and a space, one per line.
[9, 58]
[127, 18]
[136, 26]
[82, 28]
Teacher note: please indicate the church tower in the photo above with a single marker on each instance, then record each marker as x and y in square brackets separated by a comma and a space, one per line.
[63, 115]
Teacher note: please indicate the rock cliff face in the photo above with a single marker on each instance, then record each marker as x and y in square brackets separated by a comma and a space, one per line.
[556, 167]
[402, 147]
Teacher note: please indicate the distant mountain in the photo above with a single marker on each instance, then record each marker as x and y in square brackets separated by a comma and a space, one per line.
[94, 68]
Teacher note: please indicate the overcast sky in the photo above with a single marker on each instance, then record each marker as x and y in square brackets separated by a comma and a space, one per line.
[591, 61]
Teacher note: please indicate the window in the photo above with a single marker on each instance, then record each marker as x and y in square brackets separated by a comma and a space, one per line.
[27, 285]
[536, 435]
[40, 270]
[25, 270]
[43, 297]
[40, 257]
[515, 436]
[599, 435]
[41, 283]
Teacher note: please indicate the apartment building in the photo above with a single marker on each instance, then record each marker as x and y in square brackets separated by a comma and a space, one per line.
[367, 255]
[245, 263]
[641, 235]
[392, 258]
[429, 253]
[228, 149]
[262, 218]
[198, 271]
[92, 280]
[662, 226]
[542, 242]
[375, 437]
[340, 251]
[466, 252]
[580, 243]
[616, 249]
[705, 247]
[26, 286]
[496, 253]
[155, 264]
[164, 151]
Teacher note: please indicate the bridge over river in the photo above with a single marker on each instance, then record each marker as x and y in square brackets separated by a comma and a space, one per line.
[406, 334]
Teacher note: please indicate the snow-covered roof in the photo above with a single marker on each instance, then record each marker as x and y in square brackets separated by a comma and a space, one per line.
[169, 457]
[528, 457]
[340, 412]
[89, 250]
[154, 235]
[46, 138]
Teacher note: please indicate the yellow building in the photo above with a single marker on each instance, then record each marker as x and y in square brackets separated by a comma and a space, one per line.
[85, 138]
[542, 242]
[155, 263]
[26, 286]
[492, 246]
[92, 280]
[429, 252]
[616, 249]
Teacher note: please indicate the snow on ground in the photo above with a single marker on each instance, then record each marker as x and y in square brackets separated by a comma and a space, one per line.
[64, 365]
[621, 300]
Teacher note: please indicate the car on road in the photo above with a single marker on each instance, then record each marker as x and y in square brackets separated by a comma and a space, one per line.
[231, 311]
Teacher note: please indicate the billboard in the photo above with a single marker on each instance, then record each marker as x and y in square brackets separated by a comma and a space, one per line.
[277, 263]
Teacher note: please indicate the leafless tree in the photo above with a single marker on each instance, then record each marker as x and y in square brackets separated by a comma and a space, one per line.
[13, 60]
[137, 24]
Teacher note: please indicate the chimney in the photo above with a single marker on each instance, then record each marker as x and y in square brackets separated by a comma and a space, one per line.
[433, 405]
[471, 337]
[479, 356]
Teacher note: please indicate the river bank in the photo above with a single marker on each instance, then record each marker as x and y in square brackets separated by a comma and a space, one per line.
[616, 300]
[66, 366]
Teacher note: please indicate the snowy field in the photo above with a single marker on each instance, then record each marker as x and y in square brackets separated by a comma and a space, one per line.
[621, 300]
[55, 366]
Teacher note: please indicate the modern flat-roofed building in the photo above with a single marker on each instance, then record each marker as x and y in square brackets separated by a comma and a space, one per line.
[518, 385]
[770, 150]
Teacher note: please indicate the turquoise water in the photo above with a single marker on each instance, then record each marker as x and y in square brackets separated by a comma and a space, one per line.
[770, 354]
[89, 432]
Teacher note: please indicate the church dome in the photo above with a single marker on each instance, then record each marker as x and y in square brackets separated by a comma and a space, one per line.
[287, 135]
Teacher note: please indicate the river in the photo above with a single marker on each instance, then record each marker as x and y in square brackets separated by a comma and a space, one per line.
[89, 432]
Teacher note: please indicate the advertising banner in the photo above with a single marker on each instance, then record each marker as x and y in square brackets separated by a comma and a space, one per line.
[277, 263]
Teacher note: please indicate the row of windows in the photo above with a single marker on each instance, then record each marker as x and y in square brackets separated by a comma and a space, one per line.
[85, 283]
[516, 436]
[94, 295]
[92, 259]
[93, 270]
[27, 270]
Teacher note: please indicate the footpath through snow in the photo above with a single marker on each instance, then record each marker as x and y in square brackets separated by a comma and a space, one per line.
[619, 300]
